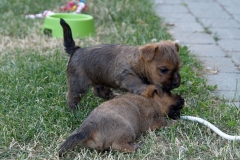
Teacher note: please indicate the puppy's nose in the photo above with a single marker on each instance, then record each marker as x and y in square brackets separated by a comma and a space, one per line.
[175, 83]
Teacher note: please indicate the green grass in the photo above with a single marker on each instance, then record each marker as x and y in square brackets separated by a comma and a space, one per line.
[34, 117]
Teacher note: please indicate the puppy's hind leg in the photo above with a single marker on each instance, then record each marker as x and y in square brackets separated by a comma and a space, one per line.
[128, 147]
[77, 88]
[125, 143]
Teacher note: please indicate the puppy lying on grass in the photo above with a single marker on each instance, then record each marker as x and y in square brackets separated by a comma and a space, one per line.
[130, 68]
[116, 123]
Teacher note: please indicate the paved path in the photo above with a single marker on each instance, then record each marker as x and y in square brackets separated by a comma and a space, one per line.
[211, 29]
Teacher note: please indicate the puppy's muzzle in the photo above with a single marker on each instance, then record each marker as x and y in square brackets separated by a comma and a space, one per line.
[175, 84]
[172, 86]
[175, 110]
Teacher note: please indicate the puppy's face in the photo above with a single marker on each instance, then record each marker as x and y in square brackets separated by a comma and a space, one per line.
[162, 64]
[169, 104]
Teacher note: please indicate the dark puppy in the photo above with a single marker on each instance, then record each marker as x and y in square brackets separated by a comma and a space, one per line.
[116, 123]
[130, 68]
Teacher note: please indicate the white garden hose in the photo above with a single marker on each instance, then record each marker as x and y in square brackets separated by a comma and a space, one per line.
[211, 126]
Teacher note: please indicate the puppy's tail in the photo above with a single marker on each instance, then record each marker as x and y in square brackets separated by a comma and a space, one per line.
[69, 43]
[78, 137]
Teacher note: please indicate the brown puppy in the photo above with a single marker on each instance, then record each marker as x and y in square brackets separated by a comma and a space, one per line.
[130, 68]
[116, 123]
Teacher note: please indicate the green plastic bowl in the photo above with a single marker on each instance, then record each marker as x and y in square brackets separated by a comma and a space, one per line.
[82, 25]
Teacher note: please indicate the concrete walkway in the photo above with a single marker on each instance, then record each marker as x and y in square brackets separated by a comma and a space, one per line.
[211, 29]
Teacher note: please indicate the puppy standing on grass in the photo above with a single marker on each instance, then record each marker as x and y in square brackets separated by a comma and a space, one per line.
[116, 123]
[130, 68]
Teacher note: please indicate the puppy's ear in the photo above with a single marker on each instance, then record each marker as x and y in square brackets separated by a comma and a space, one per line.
[177, 46]
[149, 91]
[148, 51]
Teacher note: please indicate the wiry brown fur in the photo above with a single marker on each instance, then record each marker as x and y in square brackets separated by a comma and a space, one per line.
[116, 123]
[130, 68]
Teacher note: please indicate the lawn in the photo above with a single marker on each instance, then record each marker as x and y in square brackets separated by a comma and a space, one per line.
[34, 117]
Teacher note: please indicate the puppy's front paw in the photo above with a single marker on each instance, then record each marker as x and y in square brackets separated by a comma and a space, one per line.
[72, 106]
[103, 92]
[114, 94]
[137, 147]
